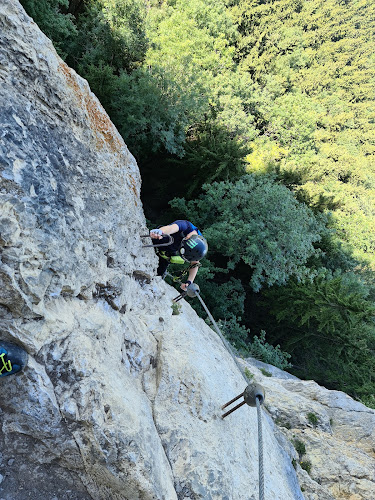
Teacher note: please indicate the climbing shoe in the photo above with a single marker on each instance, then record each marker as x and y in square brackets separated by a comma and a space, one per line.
[12, 358]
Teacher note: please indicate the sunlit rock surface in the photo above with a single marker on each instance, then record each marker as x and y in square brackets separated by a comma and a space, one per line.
[337, 432]
[120, 399]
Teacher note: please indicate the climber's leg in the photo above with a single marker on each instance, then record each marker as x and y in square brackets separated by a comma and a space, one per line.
[163, 265]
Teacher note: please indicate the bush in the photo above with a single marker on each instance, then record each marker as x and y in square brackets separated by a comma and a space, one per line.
[306, 465]
[239, 336]
[313, 419]
[262, 350]
[300, 447]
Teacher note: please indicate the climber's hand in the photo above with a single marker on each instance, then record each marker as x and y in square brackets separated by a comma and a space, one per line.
[185, 285]
[156, 234]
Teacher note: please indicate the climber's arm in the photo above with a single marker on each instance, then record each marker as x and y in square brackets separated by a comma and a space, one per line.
[193, 270]
[173, 228]
[164, 230]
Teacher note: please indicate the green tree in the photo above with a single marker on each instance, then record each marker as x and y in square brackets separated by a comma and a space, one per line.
[112, 33]
[147, 117]
[328, 325]
[313, 70]
[58, 25]
[191, 52]
[259, 223]
[210, 154]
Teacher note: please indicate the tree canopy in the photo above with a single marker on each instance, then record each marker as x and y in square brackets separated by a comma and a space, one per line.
[260, 223]
[314, 69]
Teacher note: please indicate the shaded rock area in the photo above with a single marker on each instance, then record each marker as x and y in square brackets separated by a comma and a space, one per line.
[121, 398]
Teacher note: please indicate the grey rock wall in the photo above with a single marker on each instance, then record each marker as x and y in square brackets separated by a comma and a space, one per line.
[337, 433]
[120, 399]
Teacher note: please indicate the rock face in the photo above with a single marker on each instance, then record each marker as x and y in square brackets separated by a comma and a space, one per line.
[121, 399]
[333, 434]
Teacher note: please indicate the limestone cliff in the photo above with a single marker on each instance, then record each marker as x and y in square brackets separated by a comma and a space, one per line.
[121, 399]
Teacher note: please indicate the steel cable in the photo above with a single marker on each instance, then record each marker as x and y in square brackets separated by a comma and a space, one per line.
[258, 404]
[225, 342]
[260, 451]
[259, 411]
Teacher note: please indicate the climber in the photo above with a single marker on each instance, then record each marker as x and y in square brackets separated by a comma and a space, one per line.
[188, 246]
[12, 358]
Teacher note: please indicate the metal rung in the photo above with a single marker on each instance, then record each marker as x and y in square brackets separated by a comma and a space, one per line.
[171, 240]
[252, 394]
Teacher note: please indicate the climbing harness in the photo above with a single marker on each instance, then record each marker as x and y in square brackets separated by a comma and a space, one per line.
[169, 242]
[253, 394]
[173, 259]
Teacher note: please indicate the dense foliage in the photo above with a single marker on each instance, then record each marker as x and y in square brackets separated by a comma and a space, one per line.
[314, 69]
[258, 117]
[328, 326]
[257, 222]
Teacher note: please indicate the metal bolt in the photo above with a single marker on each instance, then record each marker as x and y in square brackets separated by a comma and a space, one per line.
[251, 394]
[193, 290]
